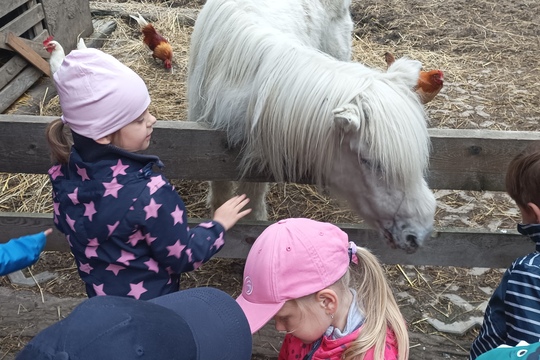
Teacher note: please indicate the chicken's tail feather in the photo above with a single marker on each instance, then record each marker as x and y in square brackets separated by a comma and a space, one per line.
[140, 20]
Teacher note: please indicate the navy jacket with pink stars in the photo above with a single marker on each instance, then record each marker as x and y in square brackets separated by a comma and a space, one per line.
[126, 225]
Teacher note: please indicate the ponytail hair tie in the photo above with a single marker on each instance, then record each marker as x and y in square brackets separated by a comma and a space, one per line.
[352, 253]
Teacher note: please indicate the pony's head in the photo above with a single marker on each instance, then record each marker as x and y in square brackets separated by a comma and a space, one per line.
[379, 165]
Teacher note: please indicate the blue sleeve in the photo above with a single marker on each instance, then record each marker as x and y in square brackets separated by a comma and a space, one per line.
[173, 244]
[493, 331]
[21, 252]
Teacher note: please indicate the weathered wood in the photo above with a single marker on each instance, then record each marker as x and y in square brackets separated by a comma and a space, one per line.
[36, 43]
[25, 21]
[28, 53]
[10, 93]
[447, 247]
[461, 159]
[11, 69]
[10, 5]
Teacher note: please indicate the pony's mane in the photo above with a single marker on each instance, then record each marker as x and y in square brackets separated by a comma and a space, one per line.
[287, 92]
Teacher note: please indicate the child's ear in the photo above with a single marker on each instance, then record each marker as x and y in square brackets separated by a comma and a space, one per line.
[534, 211]
[328, 300]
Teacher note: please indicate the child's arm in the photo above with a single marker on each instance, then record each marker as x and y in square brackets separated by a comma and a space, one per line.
[21, 252]
[492, 333]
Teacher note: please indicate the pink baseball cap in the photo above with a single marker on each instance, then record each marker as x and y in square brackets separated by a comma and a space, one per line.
[98, 94]
[291, 259]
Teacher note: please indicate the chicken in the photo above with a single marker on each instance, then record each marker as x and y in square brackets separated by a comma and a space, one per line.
[429, 83]
[57, 53]
[161, 49]
[80, 43]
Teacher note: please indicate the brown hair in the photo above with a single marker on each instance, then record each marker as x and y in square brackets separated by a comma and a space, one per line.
[523, 177]
[59, 142]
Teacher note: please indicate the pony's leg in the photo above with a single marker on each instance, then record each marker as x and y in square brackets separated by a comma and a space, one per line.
[257, 202]
[218, 193]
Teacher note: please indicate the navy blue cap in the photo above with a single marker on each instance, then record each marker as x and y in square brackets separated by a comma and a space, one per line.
[199, 324]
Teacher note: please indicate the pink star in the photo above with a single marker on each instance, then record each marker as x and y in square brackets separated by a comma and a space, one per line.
[137, 290]
[176, 249]
[156, 182]
[125, 257]
[56, 207]
[85, 268]
[197, 265]
[219, 241]
[190, 255]
[136, 237]
[207, 225]
[91, 248]
[89, 210]
[70, 222]
[177, 216]
[73, 196]
[152, 265]
[115, 268]
[150, 239]
[55, 171]
[112, 227]
[82, 173]
[99, 290]
[119, 168]
[152, 209]
[112, 188]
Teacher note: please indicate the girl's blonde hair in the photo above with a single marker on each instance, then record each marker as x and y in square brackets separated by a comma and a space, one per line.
[377, 302]
[59, 142]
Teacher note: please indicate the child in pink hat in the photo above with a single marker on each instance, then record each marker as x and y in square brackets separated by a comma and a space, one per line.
[126, 225]
[330, 297]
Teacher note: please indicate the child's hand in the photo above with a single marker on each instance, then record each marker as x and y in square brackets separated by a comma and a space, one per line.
[230, 212]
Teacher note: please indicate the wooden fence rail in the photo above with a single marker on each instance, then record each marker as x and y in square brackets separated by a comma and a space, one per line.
[460, 159]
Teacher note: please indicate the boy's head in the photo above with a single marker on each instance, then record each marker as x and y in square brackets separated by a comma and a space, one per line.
[98, 94]
[523, 183]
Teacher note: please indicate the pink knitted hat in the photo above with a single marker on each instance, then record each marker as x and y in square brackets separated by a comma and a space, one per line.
[291, 259]
[98, 94]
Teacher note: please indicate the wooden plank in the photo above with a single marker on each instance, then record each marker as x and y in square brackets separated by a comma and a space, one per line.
[36, 44]
[11, 69]
[10, 5]
[10, 93]
[461, 159]
[25, 21]
[28, 53]
[447, 247]
[39, 25]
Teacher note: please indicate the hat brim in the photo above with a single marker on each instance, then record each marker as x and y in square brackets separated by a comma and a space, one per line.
[219, 325]
[258, 314]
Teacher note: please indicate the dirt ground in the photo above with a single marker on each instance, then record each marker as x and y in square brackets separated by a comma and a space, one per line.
[489, 54]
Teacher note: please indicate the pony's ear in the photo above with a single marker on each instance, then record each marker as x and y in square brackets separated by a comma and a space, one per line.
[347, 117]
[408, 70]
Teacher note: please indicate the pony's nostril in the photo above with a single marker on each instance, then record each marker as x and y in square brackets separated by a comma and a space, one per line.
[411, 240]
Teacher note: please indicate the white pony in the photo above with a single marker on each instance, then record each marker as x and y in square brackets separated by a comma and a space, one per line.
[276, 76]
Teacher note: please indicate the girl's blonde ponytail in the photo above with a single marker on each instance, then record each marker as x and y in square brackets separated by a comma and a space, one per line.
[59, 142]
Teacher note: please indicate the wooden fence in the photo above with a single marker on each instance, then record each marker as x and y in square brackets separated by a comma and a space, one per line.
[460, 159]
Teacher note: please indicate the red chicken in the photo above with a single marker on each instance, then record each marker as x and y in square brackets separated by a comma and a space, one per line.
[161, 49]
[429, 83]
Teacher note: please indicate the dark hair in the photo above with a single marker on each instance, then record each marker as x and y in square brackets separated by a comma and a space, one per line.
[523, 177]
[59, 142]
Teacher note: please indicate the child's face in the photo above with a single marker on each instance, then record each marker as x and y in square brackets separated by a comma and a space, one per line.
[136, 135]
[308, 321]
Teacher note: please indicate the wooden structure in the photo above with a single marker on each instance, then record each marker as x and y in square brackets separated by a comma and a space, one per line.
[460, 159]
[24, 24]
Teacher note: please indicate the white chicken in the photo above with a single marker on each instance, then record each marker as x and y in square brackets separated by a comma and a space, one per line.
[80, 43]
[57, 53]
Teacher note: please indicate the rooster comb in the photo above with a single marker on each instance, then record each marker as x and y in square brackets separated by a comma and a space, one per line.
[47, 40]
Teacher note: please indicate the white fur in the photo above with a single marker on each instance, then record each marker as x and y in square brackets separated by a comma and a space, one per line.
[274, 74]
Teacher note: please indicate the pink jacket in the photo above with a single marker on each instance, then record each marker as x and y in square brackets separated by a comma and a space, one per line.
[329, 349]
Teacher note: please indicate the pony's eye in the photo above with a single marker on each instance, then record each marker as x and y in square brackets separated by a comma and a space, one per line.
[373, 166]
[521, 352]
